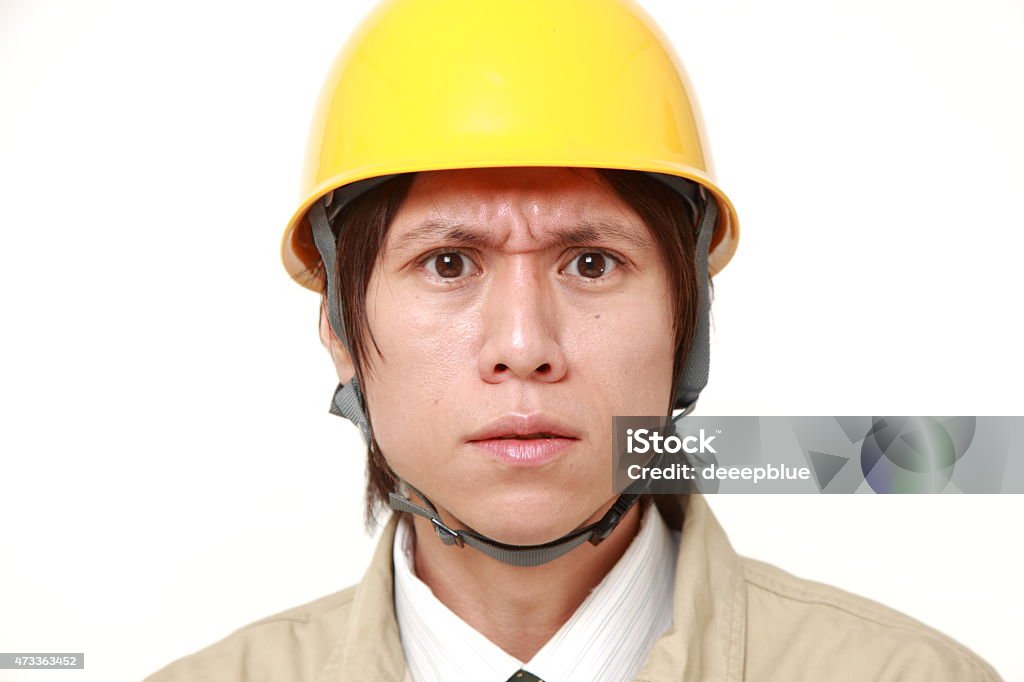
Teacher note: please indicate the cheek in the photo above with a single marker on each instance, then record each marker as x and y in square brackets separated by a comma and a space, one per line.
[627, 354]
[423, 349]
[424, 362]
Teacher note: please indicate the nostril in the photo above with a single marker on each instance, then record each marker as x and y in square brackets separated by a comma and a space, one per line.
[500, 367]
[544, 369]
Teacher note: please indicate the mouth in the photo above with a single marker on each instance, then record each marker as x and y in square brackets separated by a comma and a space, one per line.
[530, 436]
[525, 440]
[536, 426]
[524, 451]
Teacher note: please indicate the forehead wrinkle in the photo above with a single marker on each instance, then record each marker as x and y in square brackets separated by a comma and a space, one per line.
[588, 232]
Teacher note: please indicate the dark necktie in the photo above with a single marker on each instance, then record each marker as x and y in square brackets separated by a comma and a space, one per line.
[523, 676]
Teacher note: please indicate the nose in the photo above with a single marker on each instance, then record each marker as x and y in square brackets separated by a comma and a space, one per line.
[521, 330]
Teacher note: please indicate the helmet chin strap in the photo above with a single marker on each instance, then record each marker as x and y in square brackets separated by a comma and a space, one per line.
[348, 400]
[518, 555]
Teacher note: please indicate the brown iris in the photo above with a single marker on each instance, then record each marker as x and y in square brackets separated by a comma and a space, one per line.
[448, 264]
[591, 265]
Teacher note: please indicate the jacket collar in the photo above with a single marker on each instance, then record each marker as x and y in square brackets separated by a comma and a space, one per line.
[371, 648]
[705, 642]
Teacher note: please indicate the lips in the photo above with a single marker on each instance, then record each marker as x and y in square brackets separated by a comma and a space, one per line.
[532, 436]
[525, 440]
[525, 427]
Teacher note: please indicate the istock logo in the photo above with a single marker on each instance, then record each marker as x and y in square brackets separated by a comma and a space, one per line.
[642, 441]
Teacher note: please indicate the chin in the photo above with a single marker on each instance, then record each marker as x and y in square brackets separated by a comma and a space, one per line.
[526, 524]
[523, 535]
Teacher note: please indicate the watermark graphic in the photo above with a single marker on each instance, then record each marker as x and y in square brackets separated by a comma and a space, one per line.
[857, 454]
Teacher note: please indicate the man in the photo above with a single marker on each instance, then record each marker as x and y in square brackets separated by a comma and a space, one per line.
[509, 213]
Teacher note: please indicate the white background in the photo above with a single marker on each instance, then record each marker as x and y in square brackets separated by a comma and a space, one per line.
[169, 470]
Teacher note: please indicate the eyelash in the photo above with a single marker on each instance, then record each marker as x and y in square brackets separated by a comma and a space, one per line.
[422, 263]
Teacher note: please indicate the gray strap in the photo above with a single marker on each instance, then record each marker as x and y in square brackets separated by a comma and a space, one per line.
[326, 240]
[529, 555]
[516, 555]
[698, 360]
[348, 403]
[327, 245]
[348, 399]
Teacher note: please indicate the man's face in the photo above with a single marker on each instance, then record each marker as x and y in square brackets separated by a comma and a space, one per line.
[510, 305]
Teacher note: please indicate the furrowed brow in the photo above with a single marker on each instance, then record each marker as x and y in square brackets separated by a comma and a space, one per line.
[586, 233]
[595, 232]
[433, 232]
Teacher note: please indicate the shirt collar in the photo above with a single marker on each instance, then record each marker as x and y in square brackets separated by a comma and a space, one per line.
[606, 640]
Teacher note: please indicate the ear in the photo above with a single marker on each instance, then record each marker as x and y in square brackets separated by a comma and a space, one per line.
[341, 358]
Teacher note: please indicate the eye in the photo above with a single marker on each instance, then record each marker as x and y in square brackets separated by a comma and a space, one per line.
[591, 265]
[450, 265]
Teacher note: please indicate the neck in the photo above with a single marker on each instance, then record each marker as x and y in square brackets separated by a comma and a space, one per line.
[517, 608]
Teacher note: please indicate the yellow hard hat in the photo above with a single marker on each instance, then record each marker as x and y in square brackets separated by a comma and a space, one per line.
[442, 84]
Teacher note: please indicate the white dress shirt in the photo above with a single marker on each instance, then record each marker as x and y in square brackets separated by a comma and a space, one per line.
[607, 639]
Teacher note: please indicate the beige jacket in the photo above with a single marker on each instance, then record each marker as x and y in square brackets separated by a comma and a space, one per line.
[734, 620]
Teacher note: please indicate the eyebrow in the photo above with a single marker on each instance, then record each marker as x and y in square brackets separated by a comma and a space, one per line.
[584, 233]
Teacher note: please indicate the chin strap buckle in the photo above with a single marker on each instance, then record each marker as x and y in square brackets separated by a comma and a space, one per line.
[447, 535]
[608, 522]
